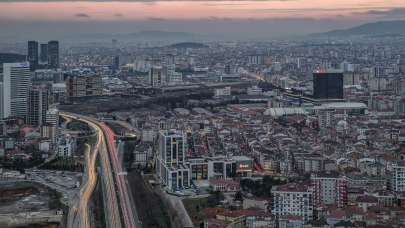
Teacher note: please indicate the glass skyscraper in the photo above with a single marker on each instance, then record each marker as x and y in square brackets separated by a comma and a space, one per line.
[328, 85]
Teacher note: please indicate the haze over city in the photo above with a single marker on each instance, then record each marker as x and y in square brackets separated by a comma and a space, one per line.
[215, 19]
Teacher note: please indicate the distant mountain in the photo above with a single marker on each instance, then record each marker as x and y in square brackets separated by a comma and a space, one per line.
[156, 34]
[188, 45]
[380, 28]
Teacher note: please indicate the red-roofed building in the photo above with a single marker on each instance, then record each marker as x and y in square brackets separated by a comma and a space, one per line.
[212, 212]
[336, 216]
[290, 221]
[366, 201]
[239, 216]
[223, 185]
[215, 223]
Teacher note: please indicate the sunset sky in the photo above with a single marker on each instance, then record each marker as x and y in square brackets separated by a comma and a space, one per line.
[281, 17]
[144, 10]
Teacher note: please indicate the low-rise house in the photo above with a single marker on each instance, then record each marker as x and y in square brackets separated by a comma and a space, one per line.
[224, 185]
[366, 201]
[258, 203]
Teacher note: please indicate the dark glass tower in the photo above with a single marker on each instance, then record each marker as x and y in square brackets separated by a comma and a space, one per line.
[53, 54]
[32, 56]
[116, 64]
[328, 85]
[43, 58]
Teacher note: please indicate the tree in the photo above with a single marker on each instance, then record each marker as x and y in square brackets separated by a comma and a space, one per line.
[238, 196]
[215, 198]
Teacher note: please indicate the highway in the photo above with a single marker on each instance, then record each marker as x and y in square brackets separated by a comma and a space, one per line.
[127, 126]
[127, 204]
[112, 213]
[79, 211]
[113, 179]
[254, 76]
[87, 191]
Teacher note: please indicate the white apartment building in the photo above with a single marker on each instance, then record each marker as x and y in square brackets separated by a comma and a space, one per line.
[170, 161]
[329, 188]
[293, 199]
[398, 177]
[15, 90]
[52, 116]
[326, 118]
[66, 146]
[157, 76]
[223, 91]
[254, 90]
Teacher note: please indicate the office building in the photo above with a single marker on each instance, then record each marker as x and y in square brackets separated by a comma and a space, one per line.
[226, 91]
[11, 58]
[326, 118]
[329, 189]
[50, 128]
[38, 105]
[15, 90]
[170, 162]
[220, 167]
[59, 92]
[254, 90]
[47, 76]
[157, 76]
[175, 78]
[32, 56]
[212, 168]
[398, 177]
[66, 146]
[401, 65]
[351, 79]
[3, 101]
[227, 69]
[43, 57]
[52, 116]
[399, 86]
[293, 199]
[53, 54]
[115, 64]
[255, 59]
[172, 77]
[84, 85]
[399, 106]
[328, 85]
[169, 60]
[49, 132]
[7, 58]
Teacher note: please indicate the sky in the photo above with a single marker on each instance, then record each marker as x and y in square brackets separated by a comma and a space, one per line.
[262, 18]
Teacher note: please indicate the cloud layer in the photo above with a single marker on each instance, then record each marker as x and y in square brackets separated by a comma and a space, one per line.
[85, 15]
[234, 19]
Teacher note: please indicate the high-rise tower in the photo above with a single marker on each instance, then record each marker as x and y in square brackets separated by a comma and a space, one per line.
[43, 57]
[15, 89]
[53, 54]
[32, 55]
[328, 85]
[38, 105]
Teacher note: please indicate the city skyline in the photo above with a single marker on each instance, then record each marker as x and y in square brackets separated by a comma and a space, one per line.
[214, 114]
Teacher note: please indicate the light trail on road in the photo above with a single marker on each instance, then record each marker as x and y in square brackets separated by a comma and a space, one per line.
[127, 209]
[112, 214]
[112, 170]
[87, 191]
